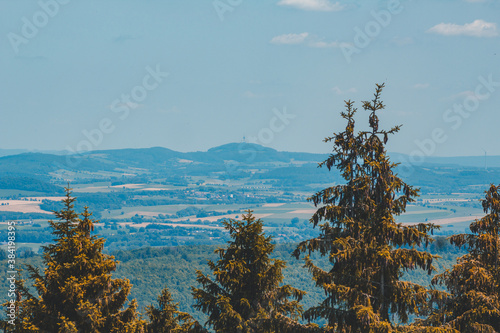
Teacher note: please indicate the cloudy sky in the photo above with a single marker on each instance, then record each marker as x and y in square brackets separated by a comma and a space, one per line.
[190, 75]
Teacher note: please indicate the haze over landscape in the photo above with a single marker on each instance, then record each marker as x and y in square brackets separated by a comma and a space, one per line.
[232, 67]
[242, 162]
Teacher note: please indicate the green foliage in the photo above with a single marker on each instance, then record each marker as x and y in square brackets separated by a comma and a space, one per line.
[9, 216]
[474, 282]
[296, 176]
[150, 269]
[369, 252]
[166, 318]
[76, 292]
[245, 294]
[27, 183]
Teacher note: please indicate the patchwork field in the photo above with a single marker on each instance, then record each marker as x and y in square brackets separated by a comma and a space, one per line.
[453, 212]
[29, 205]
[456, 219]
[105, 188]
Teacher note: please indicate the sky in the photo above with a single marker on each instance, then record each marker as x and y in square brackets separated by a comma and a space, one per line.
[190, 75]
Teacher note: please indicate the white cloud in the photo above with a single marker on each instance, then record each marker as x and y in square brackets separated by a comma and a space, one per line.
[316, 5]
[290, 38]
[339, 91]
[478, 28]
[305, 38]
[322, 44]
[421, 86]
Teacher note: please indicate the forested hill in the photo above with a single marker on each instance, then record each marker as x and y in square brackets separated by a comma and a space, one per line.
[151, 269]
[47, 173]
[153, 159]
[157, 158]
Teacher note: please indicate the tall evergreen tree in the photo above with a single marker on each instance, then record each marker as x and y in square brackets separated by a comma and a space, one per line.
[474, 282]
[245, 294]
[166, 318]
[368, 250]
[76, 292]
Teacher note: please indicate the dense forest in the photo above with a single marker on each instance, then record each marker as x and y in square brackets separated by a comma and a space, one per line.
[360, 272]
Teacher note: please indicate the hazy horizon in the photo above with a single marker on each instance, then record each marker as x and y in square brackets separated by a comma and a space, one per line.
[62, 151]
[122, 74]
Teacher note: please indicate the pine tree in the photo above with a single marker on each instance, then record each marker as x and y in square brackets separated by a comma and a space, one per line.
[245, 294]
[474, 282]
[166, 318]
[76, 292]
[368, 250]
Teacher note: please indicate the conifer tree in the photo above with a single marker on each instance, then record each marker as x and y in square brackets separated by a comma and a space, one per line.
[474, 282]
[166, 318]
[245, 294]
[76, 292]
[368, 250]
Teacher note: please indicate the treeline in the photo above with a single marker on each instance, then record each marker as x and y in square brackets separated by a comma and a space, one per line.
[25, 183]
[449, 179]
[9, 216]
[144, 267]
[151, 269]
[243, 289]
[158, 233]
[75, 292]
[296, 177]
[116, 200]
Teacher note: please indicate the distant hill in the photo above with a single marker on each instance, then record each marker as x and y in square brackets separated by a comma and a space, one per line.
[7, 152]
[462, 161]
[148, 158]
[40, 165]
[239, 152]
[230, 161]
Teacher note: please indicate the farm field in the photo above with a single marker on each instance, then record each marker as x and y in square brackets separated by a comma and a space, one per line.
[154, 213]
[106, 188]
[438, 209]
[27, 205]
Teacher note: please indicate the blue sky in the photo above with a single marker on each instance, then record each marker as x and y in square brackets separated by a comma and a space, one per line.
[190, 75]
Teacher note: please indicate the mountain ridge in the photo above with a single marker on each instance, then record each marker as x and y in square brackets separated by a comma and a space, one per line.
[155, 159]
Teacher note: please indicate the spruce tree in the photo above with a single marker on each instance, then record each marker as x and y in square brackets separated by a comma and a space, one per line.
[76, 291]
[245, 293]
[474, 282]
[368, 250]
[166, 318]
